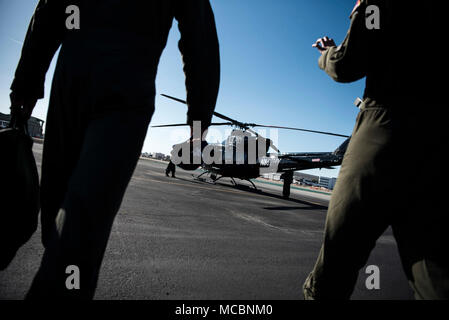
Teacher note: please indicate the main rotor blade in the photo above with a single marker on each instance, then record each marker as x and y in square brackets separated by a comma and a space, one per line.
[218, 115]
[222, 116]
[248, 125]
[184, 124]
[170, 125]
[221, 124]
[305, 130]
[173, 98]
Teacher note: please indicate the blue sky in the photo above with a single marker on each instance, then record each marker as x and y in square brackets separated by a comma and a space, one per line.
[269, 72]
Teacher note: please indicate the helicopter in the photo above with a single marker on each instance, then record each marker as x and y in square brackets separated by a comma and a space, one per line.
[244, 154]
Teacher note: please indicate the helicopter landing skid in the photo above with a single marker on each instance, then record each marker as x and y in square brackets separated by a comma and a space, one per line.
[255, 188]
[199, 177]
[252, 183]
[214, 179]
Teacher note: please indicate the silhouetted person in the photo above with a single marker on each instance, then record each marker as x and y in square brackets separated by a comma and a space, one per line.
[383, 180]
[288, 180]
[171, 168]
[102, 99]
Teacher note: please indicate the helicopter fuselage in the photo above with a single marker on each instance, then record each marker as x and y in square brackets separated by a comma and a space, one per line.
[245, 156]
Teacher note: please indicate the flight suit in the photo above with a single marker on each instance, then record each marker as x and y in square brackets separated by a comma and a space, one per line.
[101, 103]
[288, 180]
[385, 179]
[171, 168]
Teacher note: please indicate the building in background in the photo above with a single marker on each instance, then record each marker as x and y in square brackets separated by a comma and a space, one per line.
[272, 176]
[305, 179]
[328, 183]
[157, 155]
[301, 176]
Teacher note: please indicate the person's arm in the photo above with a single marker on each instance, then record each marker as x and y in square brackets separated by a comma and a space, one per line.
[44, 36]
[348, 62]
[200, 52]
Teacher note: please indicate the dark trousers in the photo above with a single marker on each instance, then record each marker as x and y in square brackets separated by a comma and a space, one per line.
[87, 165]
[382, 182]
[171, 168]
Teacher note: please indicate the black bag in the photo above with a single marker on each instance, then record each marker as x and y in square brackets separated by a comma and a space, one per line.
[19, 190]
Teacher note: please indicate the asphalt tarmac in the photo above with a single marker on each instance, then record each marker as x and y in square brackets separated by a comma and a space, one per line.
[177, 238]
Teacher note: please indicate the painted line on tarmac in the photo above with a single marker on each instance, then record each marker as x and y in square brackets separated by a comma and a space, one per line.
[259, 221]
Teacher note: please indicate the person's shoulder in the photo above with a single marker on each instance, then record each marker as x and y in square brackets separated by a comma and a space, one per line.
[356, 7]
[361, 5]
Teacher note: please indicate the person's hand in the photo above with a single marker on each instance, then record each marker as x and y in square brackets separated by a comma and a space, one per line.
[322, 44]
[22, 106]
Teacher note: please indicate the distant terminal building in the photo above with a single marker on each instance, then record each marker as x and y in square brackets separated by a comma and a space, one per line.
[301, 176]
[154, 155]
[298, 178]
[158, 155]
[305, 179]
[35, 125]
[328, 183]
[272, 176]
